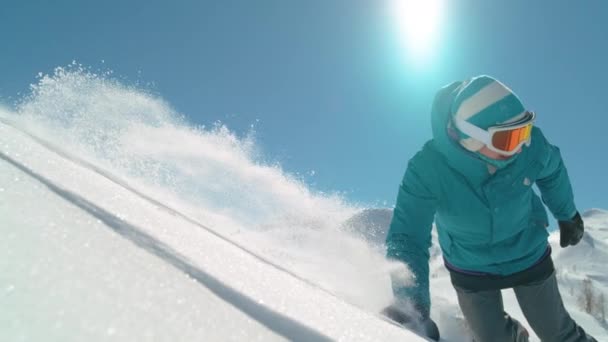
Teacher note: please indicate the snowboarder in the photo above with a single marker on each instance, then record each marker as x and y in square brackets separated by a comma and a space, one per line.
[474, 178]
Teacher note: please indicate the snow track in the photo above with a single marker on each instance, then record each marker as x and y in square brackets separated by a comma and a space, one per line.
[286, 305]
[278, 323]
[116, 180]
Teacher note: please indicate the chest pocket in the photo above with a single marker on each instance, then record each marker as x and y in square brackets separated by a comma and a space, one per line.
[519, 202]
[538, 215]
[523, 180]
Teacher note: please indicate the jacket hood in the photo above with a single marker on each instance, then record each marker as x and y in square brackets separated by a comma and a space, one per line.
[465, 162]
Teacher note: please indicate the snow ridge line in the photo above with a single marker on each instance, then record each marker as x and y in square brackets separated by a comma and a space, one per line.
[279, 323]
[116, 180]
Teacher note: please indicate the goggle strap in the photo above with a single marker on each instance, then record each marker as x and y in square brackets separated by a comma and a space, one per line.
[524, 121]
[473, 131]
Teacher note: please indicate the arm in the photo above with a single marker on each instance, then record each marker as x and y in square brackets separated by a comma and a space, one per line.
[409, 236]
[554, 183]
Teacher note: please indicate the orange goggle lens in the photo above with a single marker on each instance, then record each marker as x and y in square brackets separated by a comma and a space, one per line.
[509, 140]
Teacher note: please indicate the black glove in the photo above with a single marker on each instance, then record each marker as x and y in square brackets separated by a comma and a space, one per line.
[571, 232]
[420, 323]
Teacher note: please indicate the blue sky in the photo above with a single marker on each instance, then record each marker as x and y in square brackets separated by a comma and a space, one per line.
[330, 85]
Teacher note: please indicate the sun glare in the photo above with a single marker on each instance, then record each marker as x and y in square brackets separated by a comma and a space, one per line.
[418, 23]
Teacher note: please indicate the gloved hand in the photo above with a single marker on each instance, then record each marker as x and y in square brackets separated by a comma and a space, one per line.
[420, 321]
[571, 232]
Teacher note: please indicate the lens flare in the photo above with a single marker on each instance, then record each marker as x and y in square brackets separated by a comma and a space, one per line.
[418, 22]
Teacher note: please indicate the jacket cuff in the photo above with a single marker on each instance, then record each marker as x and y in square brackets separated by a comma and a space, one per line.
[570, 213]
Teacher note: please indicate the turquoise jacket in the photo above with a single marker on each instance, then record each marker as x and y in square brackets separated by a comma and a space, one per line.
[486, 222]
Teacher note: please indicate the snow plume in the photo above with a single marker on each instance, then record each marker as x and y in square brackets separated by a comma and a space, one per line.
[211, 174]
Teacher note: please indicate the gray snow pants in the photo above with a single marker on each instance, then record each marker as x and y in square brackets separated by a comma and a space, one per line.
[541, 304]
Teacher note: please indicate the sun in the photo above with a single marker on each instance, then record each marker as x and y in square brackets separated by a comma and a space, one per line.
[418, 23]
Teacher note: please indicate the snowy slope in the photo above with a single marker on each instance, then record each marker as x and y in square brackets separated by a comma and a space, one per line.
[119, 221]
[587, 261]
[85, 258]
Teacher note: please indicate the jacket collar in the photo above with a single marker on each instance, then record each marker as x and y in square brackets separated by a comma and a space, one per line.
[465, 162]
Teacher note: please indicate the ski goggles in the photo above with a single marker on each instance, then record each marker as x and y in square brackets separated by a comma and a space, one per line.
[505, 139]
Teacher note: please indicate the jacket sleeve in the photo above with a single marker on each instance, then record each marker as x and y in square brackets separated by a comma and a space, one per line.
[554, 183]
[409, 236]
